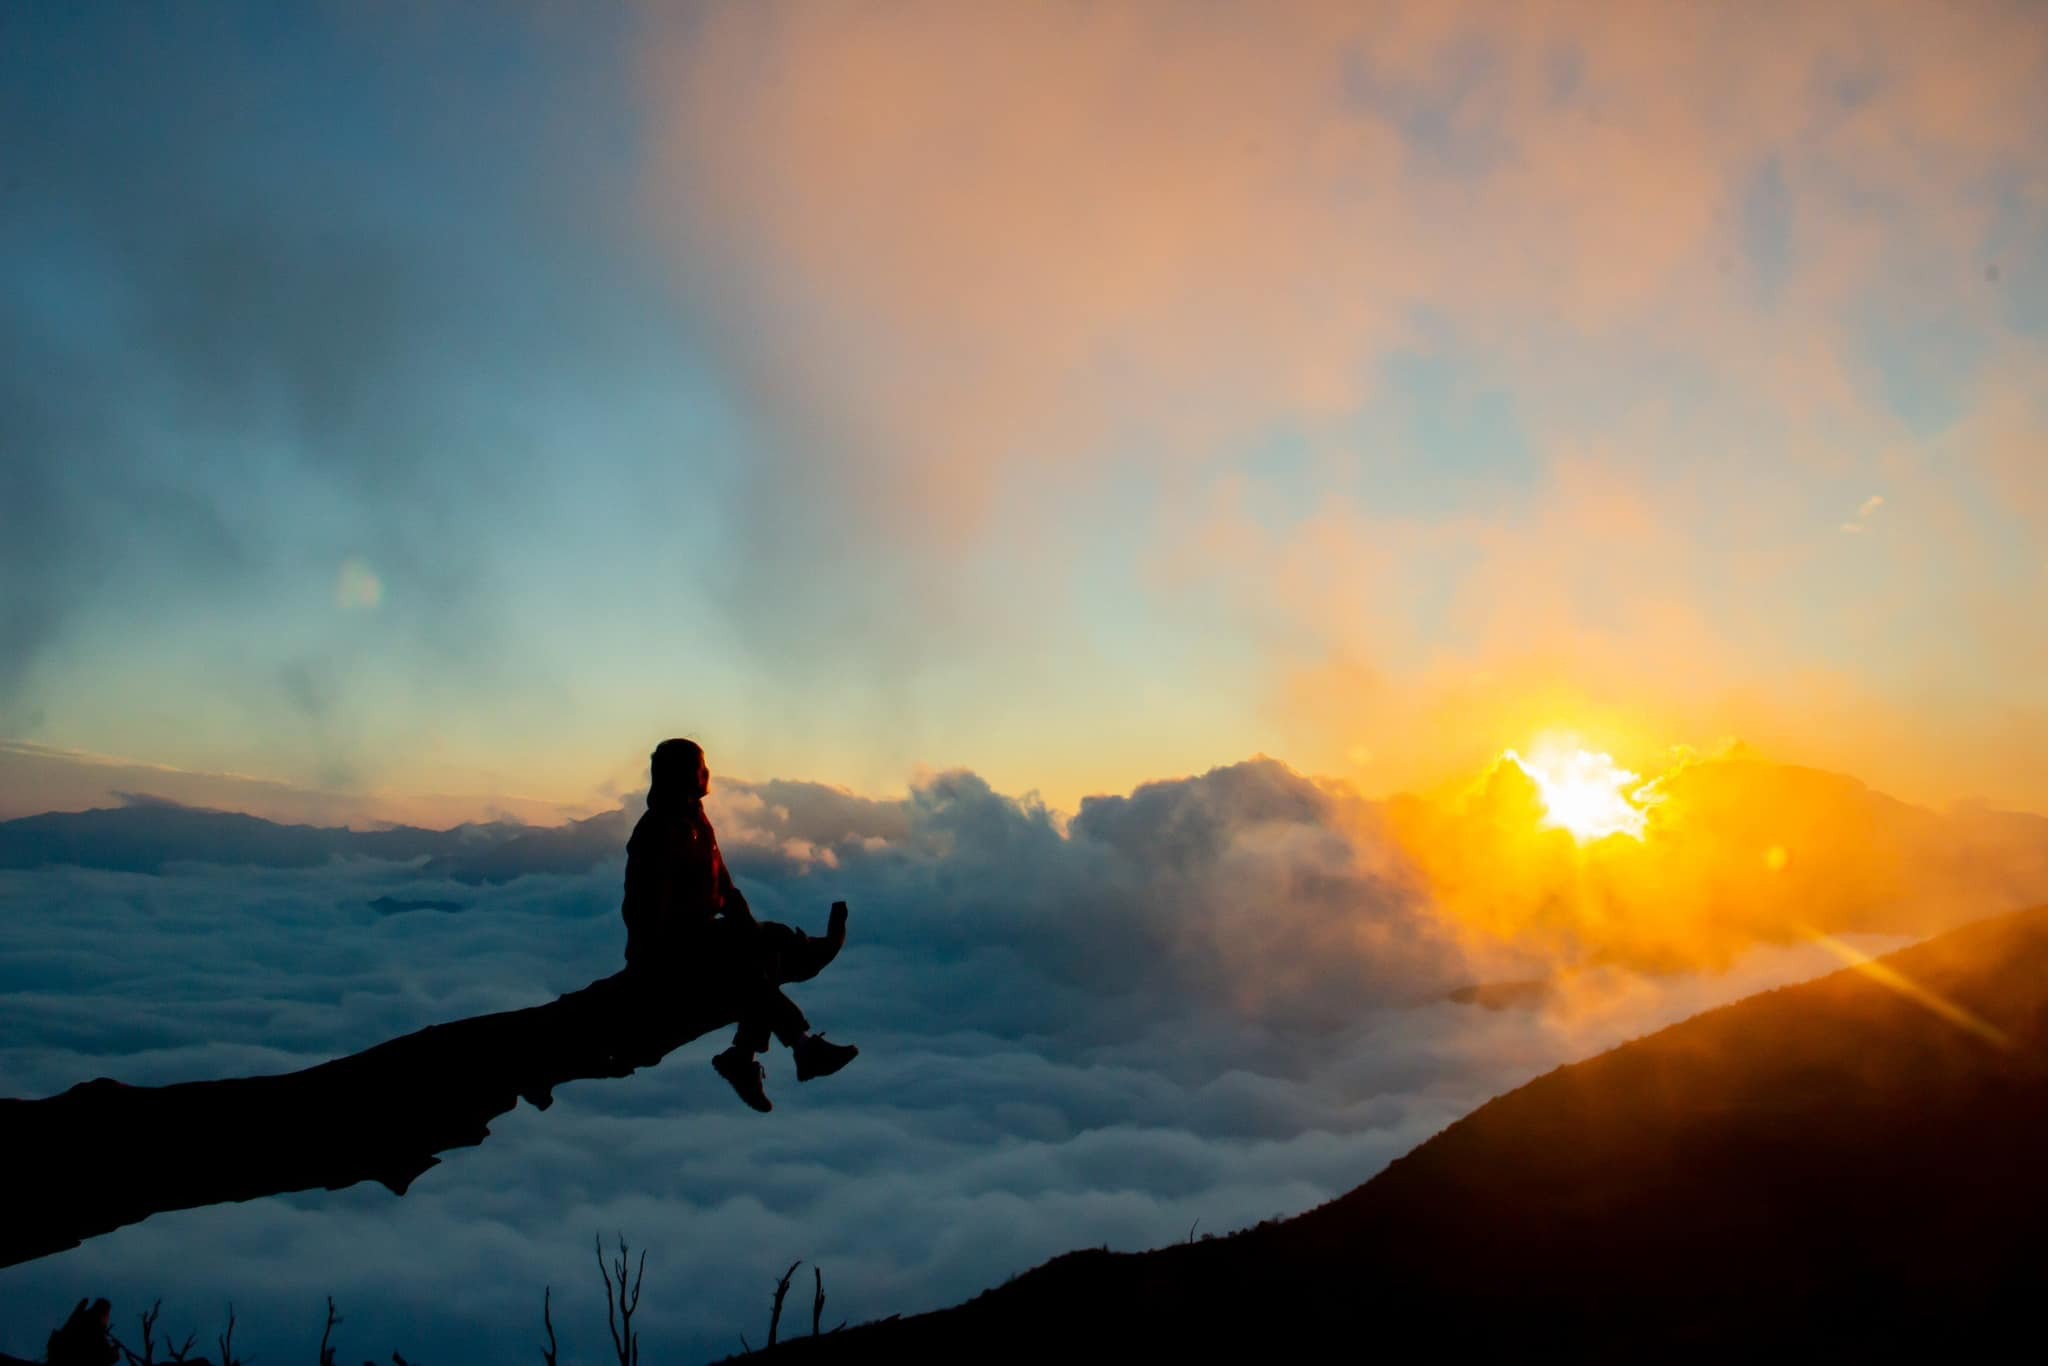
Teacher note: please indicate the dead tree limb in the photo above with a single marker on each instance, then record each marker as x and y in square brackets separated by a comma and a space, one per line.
[103, 1155]
[547, 1317]
[817, 1299]
[147, 1357]
[625, 1341]
[226, 1341]
[781, 1293]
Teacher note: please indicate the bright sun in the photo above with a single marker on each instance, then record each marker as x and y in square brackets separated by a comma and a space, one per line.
[1583, 792]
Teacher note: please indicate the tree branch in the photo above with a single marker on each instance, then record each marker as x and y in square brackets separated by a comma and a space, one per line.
[77, 1170]
[625, 1341]
[781, 1293]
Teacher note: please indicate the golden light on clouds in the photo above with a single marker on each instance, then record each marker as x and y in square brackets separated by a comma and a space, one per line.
[1583, 792]
[1563, 856]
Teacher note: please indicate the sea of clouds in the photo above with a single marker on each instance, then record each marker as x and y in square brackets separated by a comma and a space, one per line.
[1211, 1002]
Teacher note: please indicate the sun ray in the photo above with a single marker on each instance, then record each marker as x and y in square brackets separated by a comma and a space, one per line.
[1886, 975]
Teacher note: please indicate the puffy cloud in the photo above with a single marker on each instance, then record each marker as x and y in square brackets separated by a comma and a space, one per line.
[1043, 1067]
[1216, 998]
[1213, 998]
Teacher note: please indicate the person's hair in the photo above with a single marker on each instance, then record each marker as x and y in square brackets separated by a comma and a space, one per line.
[675, 761]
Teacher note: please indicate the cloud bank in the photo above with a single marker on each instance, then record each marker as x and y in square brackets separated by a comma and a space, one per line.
[1218, 998]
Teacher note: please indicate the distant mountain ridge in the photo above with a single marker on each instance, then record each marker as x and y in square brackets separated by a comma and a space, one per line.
[146, 835]
[1839, 1167]
[1972, 847]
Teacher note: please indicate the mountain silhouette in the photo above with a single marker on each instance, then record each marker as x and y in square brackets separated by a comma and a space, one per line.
[1855, 1164]
[146, 834]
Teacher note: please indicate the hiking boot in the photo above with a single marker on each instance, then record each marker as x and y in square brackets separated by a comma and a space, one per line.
[817, 1058]
[746, 1074]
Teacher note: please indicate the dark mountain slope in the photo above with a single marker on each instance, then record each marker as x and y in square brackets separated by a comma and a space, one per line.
[1827, 1167]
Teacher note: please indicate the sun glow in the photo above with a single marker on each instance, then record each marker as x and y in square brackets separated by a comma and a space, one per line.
[1583, 792]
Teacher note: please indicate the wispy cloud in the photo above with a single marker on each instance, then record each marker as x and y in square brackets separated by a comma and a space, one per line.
[1106, 273]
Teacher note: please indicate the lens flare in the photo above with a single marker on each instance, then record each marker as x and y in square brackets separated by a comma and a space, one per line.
[1884, 974]
[357, 588]
[1583, 792]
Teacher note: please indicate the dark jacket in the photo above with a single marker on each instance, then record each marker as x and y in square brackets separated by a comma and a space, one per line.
[676, 882]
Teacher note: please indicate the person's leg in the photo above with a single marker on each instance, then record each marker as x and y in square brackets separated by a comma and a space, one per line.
[756, 954]
[730, 964]
[766, 1011]
[794, 956]
[772, 1012]
[756, 963]
[789, 955]
[752, 1035]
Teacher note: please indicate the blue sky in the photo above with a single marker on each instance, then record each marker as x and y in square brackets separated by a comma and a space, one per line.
[425, 413]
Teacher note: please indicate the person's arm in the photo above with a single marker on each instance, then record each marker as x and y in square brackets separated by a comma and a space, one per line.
[731, 904]
[650, 889]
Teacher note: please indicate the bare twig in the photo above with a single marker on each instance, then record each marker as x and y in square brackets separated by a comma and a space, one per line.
[327, 1352]
[1191, 1229]
[548, 1352]
[817, 1300]
[781, 1293]
[746, 1348]
[226, 1341]
[148, 1354]
[624, 1340]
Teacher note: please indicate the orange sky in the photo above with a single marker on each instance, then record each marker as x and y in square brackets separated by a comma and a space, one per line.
[1076, 394]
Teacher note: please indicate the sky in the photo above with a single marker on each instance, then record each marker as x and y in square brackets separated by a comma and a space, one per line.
[1217, 528]
[419, 413]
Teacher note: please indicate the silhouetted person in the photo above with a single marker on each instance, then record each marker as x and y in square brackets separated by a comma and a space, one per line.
[86, 1339]
[683, 915]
